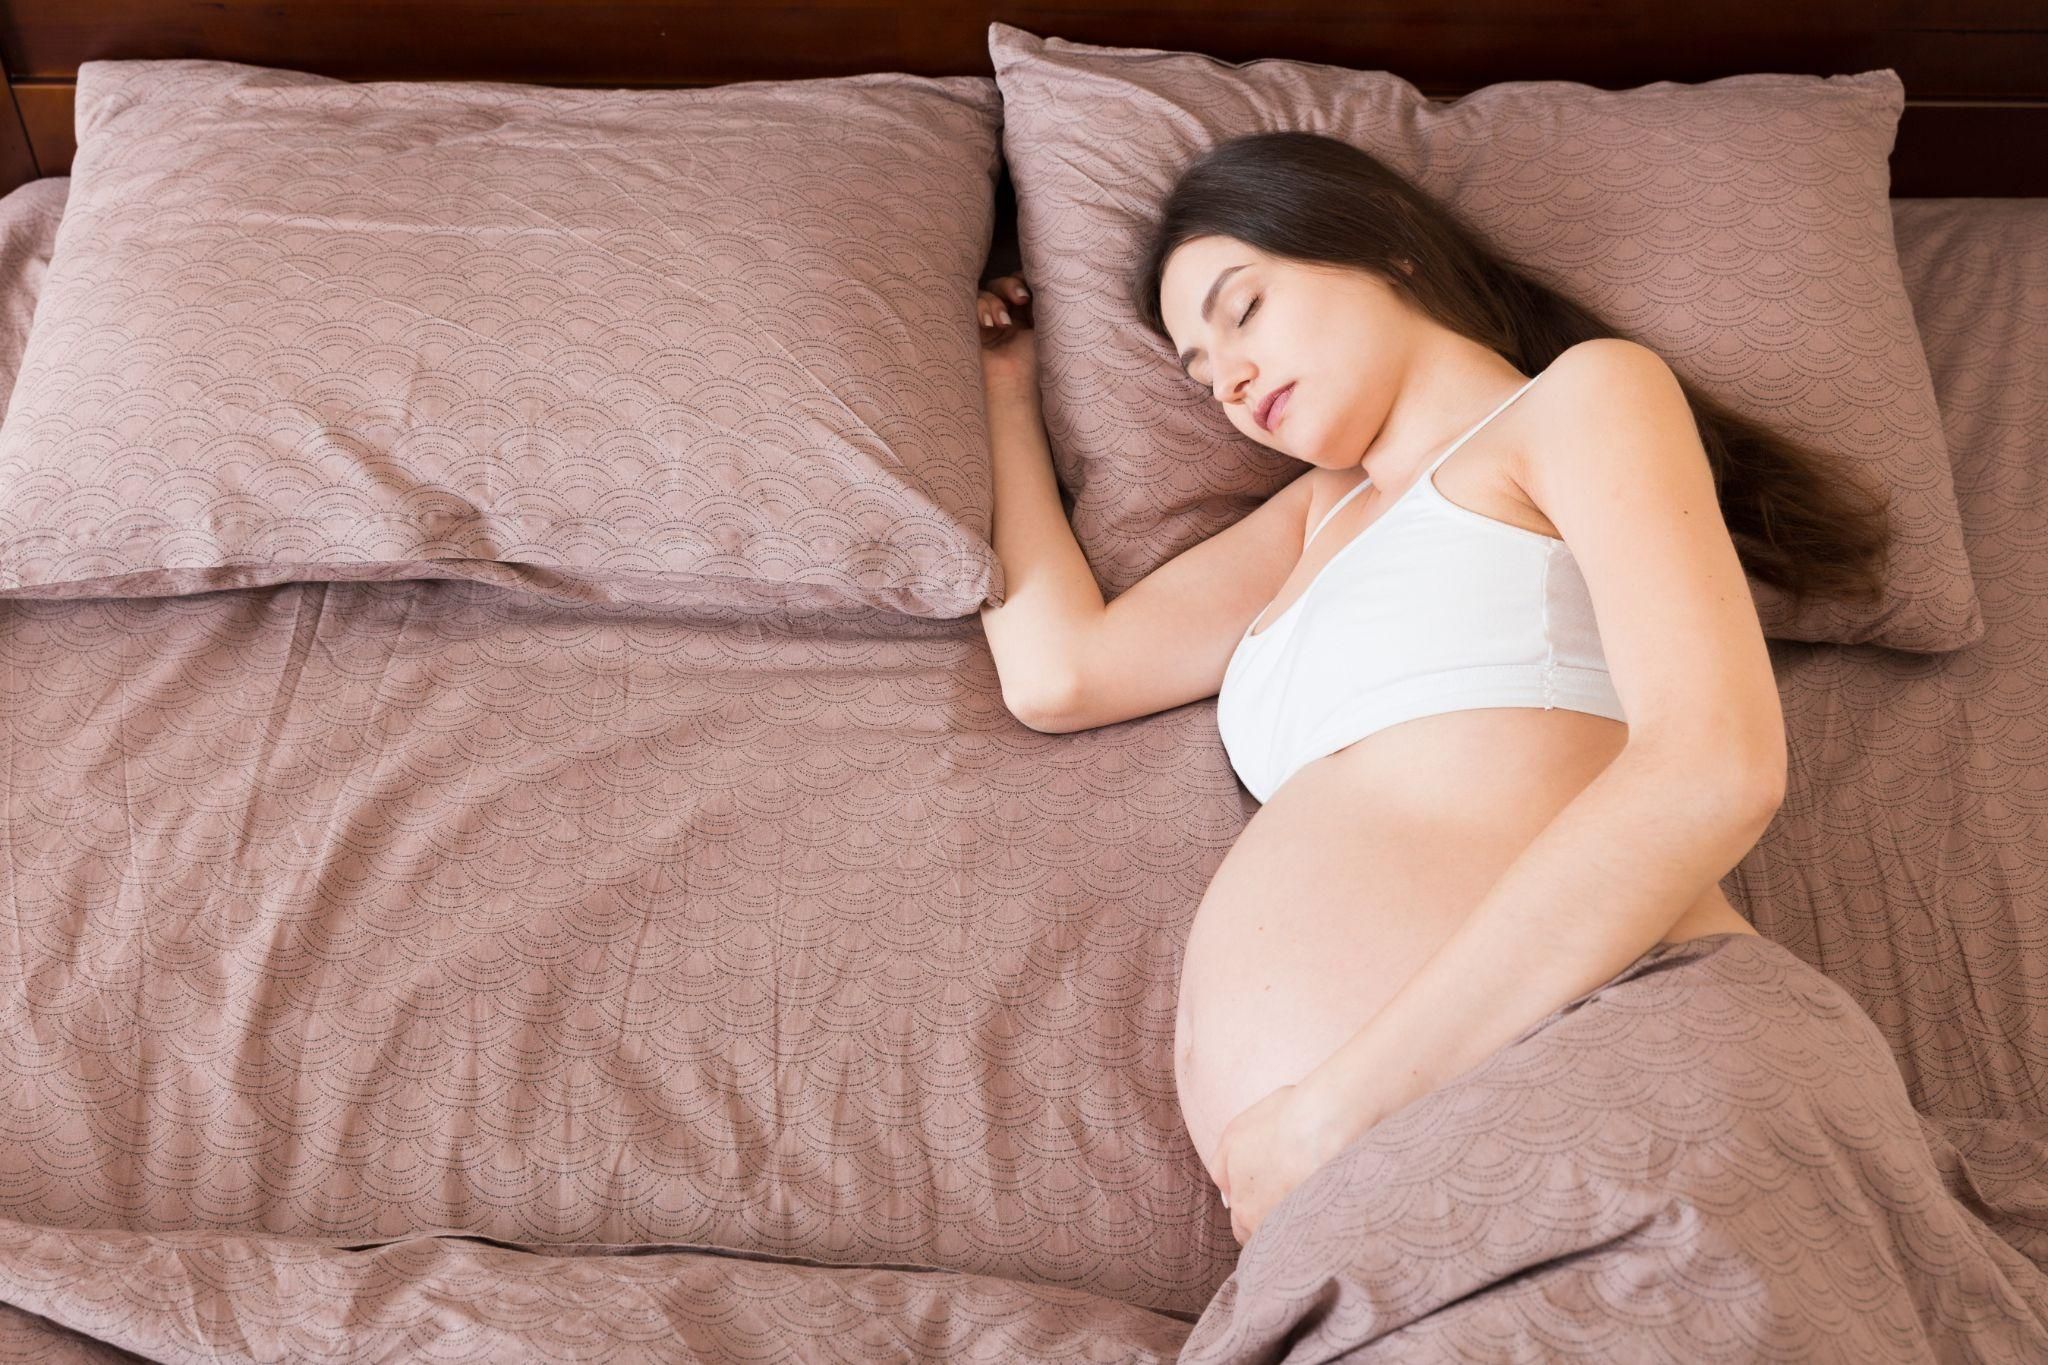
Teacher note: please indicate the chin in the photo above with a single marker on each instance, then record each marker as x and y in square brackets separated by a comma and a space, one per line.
[1271, 441]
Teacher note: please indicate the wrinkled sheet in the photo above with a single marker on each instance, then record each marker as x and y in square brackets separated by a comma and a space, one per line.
[391, 925]
[1711, 1157]
[210, 1296]
[1910, 859]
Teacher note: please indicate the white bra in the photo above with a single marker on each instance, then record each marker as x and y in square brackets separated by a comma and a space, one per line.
[1430, 608]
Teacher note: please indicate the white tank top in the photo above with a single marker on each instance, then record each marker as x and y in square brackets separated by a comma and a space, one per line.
[1431, 608]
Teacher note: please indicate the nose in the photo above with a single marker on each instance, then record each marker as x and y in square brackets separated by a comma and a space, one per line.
[1233, 377]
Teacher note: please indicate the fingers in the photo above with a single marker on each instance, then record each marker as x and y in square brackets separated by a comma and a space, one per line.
[994, 305]
[1010, 288]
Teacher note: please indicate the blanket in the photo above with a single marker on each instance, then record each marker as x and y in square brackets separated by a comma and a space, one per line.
[1709, 1157]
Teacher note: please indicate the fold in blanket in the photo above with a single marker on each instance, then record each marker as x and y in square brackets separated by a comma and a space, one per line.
[1710, 1157]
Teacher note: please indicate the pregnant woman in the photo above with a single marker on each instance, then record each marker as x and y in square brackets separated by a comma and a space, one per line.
[1490, 663]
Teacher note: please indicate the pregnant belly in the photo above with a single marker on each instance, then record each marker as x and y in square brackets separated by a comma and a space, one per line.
[1341, 886]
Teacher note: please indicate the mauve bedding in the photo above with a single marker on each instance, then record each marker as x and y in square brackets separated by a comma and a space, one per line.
[430, 969]
[710, 345]
[1740, 227]
[1710, 1157]
[28, 233]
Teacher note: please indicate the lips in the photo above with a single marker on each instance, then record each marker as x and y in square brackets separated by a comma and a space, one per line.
[1269, 410]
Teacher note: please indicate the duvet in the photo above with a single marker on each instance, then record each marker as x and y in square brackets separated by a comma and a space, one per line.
[1710, 1157]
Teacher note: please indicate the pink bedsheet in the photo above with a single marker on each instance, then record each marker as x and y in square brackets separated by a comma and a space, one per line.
[376, 950]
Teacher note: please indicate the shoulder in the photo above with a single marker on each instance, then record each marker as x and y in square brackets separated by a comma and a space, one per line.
[1594, 388]
[1623, 475]
[1605, 364]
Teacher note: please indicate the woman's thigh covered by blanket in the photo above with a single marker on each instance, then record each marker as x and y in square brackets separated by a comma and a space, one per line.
[1710, 1157]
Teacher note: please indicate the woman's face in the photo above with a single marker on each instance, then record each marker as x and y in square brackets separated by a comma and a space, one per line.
[1338, 337]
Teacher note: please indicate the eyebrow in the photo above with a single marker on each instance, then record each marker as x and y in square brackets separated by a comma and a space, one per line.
[1187, 357]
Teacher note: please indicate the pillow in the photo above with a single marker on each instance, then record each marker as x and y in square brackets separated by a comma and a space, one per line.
[29, 215]
[700, 345]
[1741, 228]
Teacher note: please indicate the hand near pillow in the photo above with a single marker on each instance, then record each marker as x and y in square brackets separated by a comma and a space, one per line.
[1009, 345]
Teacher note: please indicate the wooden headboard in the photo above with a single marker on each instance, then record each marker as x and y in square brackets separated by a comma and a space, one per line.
[1975, 71]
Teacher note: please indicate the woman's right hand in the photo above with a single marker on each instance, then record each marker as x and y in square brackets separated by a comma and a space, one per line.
[1009, 346]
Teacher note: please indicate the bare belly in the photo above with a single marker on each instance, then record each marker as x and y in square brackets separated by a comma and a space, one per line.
[1342, 885]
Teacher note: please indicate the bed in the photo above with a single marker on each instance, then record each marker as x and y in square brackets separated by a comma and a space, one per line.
[456, 968]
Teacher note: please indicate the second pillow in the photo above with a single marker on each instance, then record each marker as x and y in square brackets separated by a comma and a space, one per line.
[1740, 228]
[700, 347]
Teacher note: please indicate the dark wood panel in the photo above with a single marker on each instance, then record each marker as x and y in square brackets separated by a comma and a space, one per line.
[46, 125]
[1975, 71]
[1960, 150]
[560, 42]
[1962, 48]
[17, 157]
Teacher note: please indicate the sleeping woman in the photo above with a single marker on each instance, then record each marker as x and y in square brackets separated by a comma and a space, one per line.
[1490, 663]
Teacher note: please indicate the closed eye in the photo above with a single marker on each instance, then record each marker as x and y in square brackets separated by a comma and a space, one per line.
[1257, 299]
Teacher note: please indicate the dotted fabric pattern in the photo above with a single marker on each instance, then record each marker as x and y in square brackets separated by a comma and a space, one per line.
[1712, 1157]
[713, 344]
[460, 1299]
[1740, 228]
[355, 914]
[342, 910]
[1910, 859]
[28, 233]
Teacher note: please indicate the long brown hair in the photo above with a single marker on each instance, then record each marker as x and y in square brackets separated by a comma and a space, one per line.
[1799, 521]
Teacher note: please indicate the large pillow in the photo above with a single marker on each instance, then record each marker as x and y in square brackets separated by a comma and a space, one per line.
[712, 345]
[1741, 228]
[29, 215]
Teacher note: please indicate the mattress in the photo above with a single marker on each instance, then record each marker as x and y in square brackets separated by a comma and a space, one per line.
[445, 970]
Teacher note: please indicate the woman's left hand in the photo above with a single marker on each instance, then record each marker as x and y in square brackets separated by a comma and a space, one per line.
[1265, 1152]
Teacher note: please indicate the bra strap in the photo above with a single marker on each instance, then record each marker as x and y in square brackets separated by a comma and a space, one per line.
[1482, 422]
[1334, 510]
[1432, 464]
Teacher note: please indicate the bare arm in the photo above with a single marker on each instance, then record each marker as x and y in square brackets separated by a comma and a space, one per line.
[1069, 661]
[1051, 599]
[1600, 886]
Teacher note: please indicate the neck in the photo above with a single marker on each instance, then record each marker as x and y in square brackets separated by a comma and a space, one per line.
[1441, 391]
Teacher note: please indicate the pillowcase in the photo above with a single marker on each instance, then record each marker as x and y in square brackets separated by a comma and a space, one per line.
[29, 215]
[713, 346]
[1741, 228]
